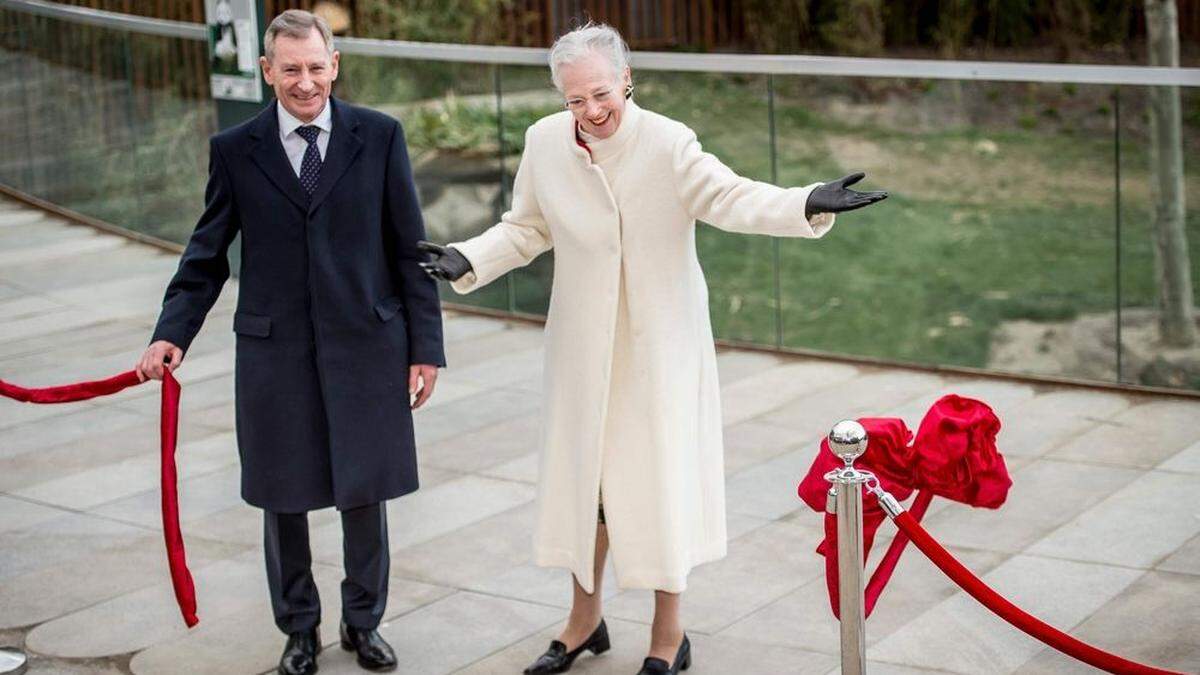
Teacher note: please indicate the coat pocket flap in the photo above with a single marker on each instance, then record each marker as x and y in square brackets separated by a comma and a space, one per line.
[251, 324]
[388, 307]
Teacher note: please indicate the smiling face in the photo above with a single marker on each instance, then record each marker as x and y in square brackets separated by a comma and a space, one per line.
[595, 94]
[302, 72]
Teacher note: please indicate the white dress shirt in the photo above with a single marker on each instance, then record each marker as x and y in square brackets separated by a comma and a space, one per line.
[294, 144]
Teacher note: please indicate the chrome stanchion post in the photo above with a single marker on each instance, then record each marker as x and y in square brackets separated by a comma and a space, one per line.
[848, 440]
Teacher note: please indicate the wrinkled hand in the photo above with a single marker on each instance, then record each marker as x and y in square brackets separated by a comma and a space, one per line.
[160, 353]
[424, 377]
[833, 197]
[444, 262]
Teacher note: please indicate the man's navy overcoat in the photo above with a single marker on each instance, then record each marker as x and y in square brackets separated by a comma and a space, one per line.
[332, 309]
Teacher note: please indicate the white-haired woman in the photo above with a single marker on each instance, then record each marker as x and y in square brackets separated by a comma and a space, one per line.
[631, 443]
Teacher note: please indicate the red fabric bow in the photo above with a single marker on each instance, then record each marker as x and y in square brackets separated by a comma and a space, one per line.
[181, 578]
[954, 455]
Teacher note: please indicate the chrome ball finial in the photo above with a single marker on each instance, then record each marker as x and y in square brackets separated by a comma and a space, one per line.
[848, 440]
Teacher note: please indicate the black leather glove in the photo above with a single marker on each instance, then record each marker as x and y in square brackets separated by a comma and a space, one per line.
[833, 197]
[444, 263]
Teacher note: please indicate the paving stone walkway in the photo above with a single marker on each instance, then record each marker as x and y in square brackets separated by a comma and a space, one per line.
[1100, 535]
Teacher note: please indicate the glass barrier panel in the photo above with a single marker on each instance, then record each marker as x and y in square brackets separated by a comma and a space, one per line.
[526, 96]
[436, 102]
[996, 247]
[729, 113]
[449, 115]
[1160, 236]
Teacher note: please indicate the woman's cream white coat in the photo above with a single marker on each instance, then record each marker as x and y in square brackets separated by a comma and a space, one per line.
[632, 403]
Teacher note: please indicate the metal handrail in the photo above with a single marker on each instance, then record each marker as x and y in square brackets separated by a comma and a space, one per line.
[104, 19]
[844, 66]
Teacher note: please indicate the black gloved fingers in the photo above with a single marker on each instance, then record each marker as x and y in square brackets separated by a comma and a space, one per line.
[872, 197]
[431, 248]
[861, 201]
[433, 269]
[851, 179]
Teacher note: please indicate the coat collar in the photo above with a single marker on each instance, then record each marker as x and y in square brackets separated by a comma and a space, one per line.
[289, 123]
[599, 150]
[268, 153]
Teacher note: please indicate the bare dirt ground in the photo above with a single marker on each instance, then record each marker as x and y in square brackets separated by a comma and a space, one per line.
[1086, 347]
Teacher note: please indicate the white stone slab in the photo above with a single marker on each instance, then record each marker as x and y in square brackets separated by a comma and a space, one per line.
[136, 620]
[248, 641]
[768, 490]
[735, 364]
[960, 635]
[765, 391]
[1185, 461]
[761, 567]
[131, 476]
[71, 536]
[630, 641]
[1136, 526]
[1045, 494]
[1185, 559]
[1152, 622]
[523, 469]
[452, 633]
[53, 590]
[869, 395]
[432, 512]
[804, 619]
[62, 249]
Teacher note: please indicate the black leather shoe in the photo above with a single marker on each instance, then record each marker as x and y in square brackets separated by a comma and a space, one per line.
[558, 660]
[683, 661]
[374, 653]
[300, 654]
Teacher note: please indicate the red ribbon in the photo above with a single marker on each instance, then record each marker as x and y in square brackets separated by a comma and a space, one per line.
[954, 455]
[67, 393]
[181, 578]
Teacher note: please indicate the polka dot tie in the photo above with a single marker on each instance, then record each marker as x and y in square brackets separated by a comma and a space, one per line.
[310, 167]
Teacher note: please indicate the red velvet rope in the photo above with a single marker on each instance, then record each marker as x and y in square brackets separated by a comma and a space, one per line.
[181, 578]
[887, 564]
[1076, 649]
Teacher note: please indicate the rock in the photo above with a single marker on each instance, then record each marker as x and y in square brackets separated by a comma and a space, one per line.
[986, 147]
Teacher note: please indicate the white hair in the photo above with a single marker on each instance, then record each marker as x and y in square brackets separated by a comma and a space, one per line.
[592, 38]
[298, 25]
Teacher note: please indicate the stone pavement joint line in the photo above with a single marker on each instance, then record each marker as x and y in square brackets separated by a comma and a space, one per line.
[1098, 536]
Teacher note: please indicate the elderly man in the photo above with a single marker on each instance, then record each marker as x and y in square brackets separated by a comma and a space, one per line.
[338, 330]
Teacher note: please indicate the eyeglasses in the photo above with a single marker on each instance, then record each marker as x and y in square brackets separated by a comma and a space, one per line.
[580, 103]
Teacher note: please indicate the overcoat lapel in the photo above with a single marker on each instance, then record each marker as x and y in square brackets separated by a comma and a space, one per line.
[268, 154]
[344, 145]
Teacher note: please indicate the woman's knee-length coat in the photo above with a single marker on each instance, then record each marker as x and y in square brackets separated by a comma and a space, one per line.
[632, 403]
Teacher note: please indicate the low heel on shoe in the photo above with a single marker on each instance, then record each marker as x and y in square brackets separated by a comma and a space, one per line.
[347, 646]
[687, 662]
[601, 645]
[557, 659]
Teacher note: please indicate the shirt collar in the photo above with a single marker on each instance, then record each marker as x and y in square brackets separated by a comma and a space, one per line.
[288, 122]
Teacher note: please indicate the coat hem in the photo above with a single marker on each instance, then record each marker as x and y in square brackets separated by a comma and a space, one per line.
[316, 505]
[638, 579]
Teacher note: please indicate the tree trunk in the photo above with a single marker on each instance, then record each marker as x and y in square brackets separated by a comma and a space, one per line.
[1177, 323]
[858, 29]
